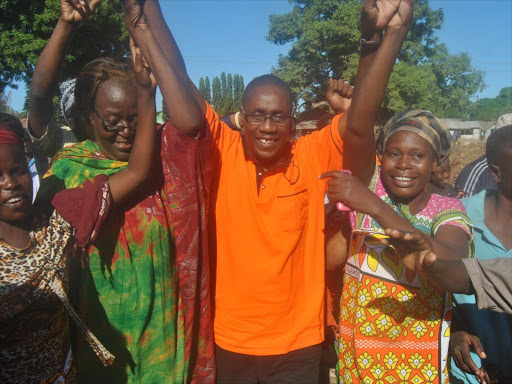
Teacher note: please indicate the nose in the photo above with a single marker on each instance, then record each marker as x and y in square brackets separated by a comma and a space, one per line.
[126, 132]
[403, 163]
[267, 126]
[9, 182]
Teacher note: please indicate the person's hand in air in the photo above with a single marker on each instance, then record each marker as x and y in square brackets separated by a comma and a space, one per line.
[339, 95]
[134, 14]
[77, 11]
[380, 14]
[143, 75]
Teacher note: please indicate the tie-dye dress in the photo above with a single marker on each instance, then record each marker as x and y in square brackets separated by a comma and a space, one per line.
[394, 324]
[143, 285]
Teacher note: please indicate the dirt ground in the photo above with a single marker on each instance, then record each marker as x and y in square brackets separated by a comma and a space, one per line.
[464, 152]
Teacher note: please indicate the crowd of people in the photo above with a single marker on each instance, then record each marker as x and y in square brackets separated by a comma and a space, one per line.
[202, 249]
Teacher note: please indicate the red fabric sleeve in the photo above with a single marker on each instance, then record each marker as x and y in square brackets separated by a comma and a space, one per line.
[85, 208]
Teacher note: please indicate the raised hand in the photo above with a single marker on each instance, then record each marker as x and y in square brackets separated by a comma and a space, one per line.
[379, 14]
[143, 74]
[403, 17]
[134, 14]
[339, 95]
[414, 249]
[77, 11]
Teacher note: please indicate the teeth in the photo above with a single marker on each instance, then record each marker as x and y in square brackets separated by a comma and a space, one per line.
[266, 142]
[13, 200]
[403, 178]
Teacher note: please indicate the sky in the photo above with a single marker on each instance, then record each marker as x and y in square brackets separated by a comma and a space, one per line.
[229, 36]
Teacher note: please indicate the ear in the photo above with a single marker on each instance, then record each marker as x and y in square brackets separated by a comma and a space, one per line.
[495, 172]
[293, 129]
[435, 164]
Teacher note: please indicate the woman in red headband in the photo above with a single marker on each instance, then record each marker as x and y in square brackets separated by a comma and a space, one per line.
[36, 244]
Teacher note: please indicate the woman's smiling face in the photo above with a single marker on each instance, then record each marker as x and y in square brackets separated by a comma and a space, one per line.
[407, 164]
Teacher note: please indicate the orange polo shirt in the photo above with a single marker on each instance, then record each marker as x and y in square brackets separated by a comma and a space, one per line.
[268, 246]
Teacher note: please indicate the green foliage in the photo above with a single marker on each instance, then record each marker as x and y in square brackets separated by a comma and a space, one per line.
[227, 92]
[208, 94]
[217, 94]
[202, 88]
[490, 109]
[27, 25]
[325, 43]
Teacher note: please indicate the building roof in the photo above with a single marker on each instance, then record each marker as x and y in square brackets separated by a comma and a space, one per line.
[456, 124]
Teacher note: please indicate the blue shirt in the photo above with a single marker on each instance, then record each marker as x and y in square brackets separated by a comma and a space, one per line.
[494, 329]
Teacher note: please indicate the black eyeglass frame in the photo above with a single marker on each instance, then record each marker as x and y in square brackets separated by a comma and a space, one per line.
[265, 117]
[111, 128]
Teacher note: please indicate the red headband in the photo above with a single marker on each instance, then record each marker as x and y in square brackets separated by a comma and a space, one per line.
[9, 137]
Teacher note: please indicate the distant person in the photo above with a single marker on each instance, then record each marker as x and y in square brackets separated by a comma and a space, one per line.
[475, 176]
[441, 181]
[491, 214]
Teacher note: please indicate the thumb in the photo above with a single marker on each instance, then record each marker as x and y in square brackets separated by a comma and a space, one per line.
[479, 349]
[429, 259]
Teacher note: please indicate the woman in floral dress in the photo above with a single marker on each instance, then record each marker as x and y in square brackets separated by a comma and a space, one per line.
[394, 323]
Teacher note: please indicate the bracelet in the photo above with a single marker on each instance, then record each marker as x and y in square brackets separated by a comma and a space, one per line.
[369, 46]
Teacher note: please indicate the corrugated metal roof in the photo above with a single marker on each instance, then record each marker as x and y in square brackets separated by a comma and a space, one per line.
[458, 124]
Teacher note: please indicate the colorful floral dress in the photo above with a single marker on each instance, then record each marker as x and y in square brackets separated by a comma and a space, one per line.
[394, 324]
[143, 287]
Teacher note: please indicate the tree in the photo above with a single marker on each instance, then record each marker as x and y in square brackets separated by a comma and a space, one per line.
[227, 91]
[325, 43]
[238, 91]
[27, 25]
[208, 97]
[202, 88]
[488, 109]
[217, 94]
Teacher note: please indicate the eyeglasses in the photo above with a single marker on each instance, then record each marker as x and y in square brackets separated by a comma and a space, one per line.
[132, 125]
[279, 120]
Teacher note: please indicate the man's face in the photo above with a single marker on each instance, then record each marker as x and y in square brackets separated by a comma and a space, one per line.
[502, 172]
[267, 123]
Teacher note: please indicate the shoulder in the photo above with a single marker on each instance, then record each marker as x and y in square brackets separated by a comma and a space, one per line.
[442, 205]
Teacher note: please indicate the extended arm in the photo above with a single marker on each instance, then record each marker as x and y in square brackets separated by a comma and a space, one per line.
[123, 183]
[167, 43]
[48, 69]
[449, 243]
[184, 112]
[359, 139]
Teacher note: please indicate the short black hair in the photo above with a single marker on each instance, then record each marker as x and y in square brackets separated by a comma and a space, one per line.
[268, 80]
[12, 124]
[499, 140]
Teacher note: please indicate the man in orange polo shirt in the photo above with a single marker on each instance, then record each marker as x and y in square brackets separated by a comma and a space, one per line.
[266, 221]
[266, 235]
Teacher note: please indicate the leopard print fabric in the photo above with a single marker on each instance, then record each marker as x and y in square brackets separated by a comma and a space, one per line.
[34, 325]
